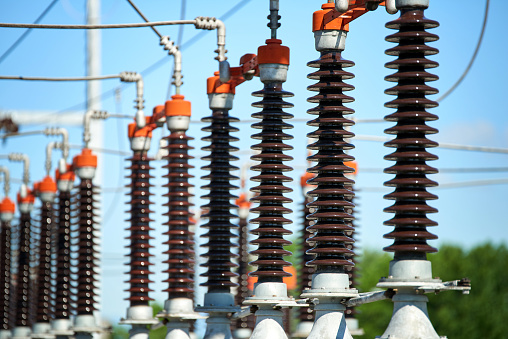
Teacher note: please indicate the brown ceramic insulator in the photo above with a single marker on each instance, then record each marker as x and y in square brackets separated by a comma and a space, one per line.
[410, 221]
[305, 277]
[220, 246]
[180, 253]
[270, 191]
[139, 263]
[44, 270]
[243, 264]
[63, 258]
[87, 260]
[23, 290]
[352, 271]
[5, 275]
[332, 204]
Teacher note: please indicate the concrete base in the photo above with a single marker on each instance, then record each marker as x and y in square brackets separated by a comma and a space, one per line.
[21, 332]
[42, 331]
[5, 334]
[178, 330]
[268, 324]
[330, 320]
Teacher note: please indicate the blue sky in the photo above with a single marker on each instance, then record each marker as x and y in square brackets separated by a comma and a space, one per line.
[475, 114]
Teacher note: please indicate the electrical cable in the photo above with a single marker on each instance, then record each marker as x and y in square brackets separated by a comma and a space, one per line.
[102, 26]
[85, 78]
[464, 184]
[473, 58]
[143, 17]
[25, 34]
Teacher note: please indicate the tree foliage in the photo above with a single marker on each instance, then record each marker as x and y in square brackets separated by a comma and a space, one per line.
[481, 314]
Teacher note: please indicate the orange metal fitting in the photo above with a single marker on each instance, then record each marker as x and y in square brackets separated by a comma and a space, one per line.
[305, 177]
[133, 131]
[273, 53]
[214, 85]
[329, 19]
[85, 159]
[177, 106]
[7, 206]
[353, 165]
[46, 185]
[158, 110]
[69, 174]
[29, 199]
[242, 201]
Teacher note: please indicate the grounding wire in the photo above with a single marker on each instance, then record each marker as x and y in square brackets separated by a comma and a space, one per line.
[144, 17]
[25, 33]
[470, 65]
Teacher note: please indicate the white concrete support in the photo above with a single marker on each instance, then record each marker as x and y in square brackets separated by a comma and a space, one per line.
[5, 334]
[218, 305]
[410, 319]
[140, 318]
[21, 332]
[178, 312]
[42, 330]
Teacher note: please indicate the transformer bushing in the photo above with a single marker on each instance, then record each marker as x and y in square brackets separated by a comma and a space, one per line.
[270, 293]
[62, 324]
[306, 313]
[23, 294]
[46, 191]
[219, 301]
[351, 321]
[332, 205]
[85, 324]
[410, 272]
[7, 209]
[242, 327]
[139, 313]
[179, 307]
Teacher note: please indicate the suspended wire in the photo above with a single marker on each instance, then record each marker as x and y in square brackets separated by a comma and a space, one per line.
[183, 8]
[470, 65]
[463, 184]
[27, 32]
[144, 17]
[100, 26]
[84, 78]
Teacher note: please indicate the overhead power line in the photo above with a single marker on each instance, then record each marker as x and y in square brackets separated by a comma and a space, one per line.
[145, 18]
[102, 26]
[27, 32]
[473, 58]
[84, 78]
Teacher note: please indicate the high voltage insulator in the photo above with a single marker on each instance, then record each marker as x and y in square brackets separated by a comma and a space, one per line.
[46, 191]
[7, 209]
[23, 294]
[85, 165]
[63, 296]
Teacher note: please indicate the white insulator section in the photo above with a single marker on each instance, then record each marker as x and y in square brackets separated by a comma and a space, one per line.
[390, 6]
[26, 166]
[139, 317]
[89, 115]
[412, 4]
[138, 79]
[174, 50]
[341, 6]
[65, 138]
[7, 181]
[211, 23]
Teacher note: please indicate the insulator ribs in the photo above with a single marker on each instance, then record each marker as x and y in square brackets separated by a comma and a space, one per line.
[270, 191]
[181, 256]
[23, 290]
[410, 221]
[243, 262]
[63, 257]
[305, 277]
[139, 264]
[5, 275]
[220, 244]
[86, 263]
[42, 314]
[332, 217]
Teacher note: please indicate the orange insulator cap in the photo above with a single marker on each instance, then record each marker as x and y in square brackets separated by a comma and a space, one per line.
[177, 106]
[242, 201]
[273, 53]
[85, 159]
[214, 85]
[158, 109]
[291, 281]
[47, 185]
[68, 175]
[328, 19]
[7, 206]
[133, 131]
[353, 165]
[29, 199]
[305, 177]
